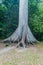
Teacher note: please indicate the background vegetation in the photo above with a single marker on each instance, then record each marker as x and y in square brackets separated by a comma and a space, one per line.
[9, 16]
[36, 18]
[9, 11]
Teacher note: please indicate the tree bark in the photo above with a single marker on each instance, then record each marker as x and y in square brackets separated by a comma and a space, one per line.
[23, 32]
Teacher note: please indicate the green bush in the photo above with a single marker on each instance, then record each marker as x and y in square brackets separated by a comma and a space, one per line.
[7, 44]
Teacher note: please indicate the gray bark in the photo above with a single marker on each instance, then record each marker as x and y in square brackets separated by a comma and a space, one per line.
[23, 31]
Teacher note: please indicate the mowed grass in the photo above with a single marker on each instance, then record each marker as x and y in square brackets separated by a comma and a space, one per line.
[29, 56]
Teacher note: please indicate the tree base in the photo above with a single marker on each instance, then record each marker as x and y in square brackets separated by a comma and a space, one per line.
[22, 36]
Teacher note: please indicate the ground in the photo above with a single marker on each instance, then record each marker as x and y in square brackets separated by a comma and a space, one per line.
[33, 55]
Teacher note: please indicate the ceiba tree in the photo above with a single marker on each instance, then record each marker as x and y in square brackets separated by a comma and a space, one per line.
[23, 33]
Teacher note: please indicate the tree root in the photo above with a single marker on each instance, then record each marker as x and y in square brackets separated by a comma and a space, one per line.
[21, 43]
[23, 36]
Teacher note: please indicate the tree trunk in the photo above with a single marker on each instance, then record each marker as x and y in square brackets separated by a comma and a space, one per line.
[23, 33]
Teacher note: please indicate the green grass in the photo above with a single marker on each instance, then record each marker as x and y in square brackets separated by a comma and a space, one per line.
[31, 56]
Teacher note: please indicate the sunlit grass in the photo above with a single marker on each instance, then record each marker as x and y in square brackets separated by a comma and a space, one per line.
[31, 56]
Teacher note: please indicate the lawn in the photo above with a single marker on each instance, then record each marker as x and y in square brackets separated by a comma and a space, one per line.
[33, 55]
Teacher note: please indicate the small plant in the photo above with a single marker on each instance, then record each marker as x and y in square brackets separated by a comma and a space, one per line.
[7, 44]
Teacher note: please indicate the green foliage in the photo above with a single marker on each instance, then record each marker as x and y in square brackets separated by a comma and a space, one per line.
[2, 12]
[36, 19]
[10, 17]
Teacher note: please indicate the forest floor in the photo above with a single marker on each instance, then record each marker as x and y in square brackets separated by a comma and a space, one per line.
[33, 55]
